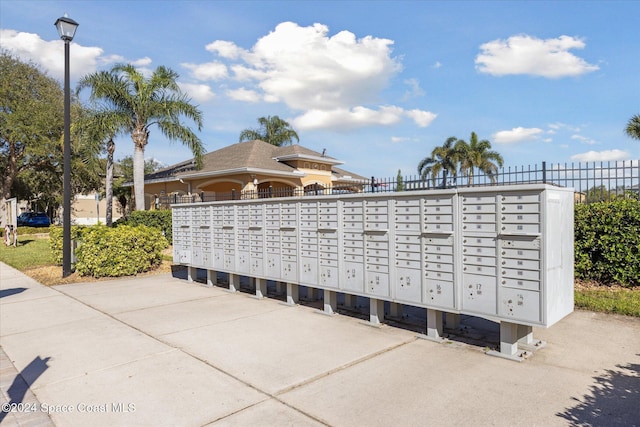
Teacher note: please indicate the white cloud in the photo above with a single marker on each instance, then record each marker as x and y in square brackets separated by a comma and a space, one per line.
[208, 71]
[601, 156]
[524, 54]
[347, 119]
[422, 118]
[414, 89]
[515, 135]
[225, 49]
[198, 92]
[437, 65]
[584, 139]
[142, 62]
[243, 94]
[332, 80]
[50, 54]
[399, 139]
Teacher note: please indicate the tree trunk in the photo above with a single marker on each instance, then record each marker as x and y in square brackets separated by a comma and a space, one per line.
[111, 147]
[139, 137]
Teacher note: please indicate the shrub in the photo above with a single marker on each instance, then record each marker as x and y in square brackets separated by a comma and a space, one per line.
[22, 230]
[607, 242]
[121, 251]
[55, 239]
[160, 219]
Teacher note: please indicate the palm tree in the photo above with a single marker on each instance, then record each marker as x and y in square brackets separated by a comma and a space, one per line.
[273, 130]
[156, 100]
[633, 127]
[96, 130]
[478, 155]
[443, 159]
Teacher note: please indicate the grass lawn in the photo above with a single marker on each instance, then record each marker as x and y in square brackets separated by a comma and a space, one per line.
[33, 257]
[614, 299]
[31, 252]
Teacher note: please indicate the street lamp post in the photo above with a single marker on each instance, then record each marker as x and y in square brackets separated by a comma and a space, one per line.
[66, 29]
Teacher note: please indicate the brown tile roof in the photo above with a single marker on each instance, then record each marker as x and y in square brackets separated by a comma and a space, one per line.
[250, 154]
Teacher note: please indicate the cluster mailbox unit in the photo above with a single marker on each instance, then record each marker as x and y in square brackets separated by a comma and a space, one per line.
[504, 253]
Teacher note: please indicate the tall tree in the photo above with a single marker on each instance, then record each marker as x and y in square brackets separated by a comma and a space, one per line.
[633, 127]
[443, 159]
[156, 100]
[31, 122]
[399, 181]
[125, 168]
[273, 130]
[478, 155]
[96, 130]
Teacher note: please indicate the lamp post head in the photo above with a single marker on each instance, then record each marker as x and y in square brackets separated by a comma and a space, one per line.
[66, 28]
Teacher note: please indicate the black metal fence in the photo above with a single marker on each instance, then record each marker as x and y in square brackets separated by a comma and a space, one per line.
[592, 181]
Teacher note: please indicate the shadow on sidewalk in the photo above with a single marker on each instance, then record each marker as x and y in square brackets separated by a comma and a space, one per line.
[614, 400]
[12, 291]
[21, 383]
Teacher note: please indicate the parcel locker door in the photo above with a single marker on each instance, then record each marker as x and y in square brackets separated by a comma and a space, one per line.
[408, 285]
[479, 294]
[520, 304]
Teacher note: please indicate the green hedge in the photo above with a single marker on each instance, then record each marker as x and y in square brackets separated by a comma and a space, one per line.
[27, 230]
[112, 252]
[607, 242]
[55, 239]
[159, 218]
[121, 251]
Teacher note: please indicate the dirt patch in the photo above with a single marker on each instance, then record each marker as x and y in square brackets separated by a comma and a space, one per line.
[584, 285]
[50, 275]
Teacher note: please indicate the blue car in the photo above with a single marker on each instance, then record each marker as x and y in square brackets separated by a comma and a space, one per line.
[39, 219]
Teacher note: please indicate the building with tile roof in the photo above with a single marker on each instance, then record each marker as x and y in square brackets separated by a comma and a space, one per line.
[253, 168]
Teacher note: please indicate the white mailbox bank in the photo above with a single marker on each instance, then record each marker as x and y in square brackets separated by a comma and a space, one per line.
[504, 253]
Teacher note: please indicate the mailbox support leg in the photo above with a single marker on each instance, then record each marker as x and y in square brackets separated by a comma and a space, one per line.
[330, 302]
[434, 325]
[395, 309]
[311, 294]
[292, 294]
[509, 337]
[452, 320]
[350, 300]
[526, 340]
[234, 283]
[261, 288]
[212, 278]
[525, 334]
[192, 273]
[376, 311]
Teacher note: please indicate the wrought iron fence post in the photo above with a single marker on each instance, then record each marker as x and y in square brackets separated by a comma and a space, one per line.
[544, 172]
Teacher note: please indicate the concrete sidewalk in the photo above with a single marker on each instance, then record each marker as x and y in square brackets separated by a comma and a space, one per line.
[160, 350]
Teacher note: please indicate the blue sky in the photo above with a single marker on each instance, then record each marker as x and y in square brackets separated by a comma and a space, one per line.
[378, 84]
